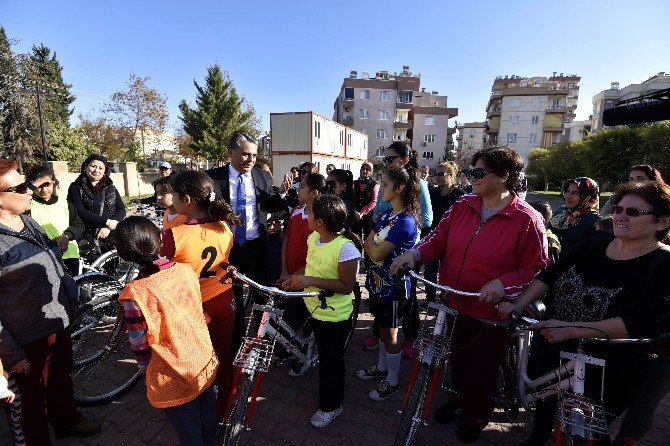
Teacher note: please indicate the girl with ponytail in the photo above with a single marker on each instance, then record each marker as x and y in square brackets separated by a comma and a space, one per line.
[394, 233]
[204, 241]
[341, 184]
[168, 333]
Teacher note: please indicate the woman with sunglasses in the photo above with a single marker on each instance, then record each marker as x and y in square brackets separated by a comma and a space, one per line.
[492, 243]
[639, 174]
[57, 217]
[38, 300]
[400, 155]
[98, 203]
[612, 285]
[578, 216]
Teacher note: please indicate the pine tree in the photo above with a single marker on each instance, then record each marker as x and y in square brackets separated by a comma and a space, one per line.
[219, 112]
[48, 72]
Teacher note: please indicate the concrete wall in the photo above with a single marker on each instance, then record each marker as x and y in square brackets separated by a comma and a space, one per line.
[128, 182]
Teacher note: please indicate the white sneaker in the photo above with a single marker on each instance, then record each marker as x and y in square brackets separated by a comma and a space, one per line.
[322, 419]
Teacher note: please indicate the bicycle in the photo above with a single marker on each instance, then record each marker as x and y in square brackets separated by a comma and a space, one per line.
[433, 348]
[103, 364]
[255, 354]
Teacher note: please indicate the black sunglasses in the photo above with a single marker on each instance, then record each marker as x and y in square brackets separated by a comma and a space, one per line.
[631, 212]
[20, 188]
[477, 173]
[389, 159]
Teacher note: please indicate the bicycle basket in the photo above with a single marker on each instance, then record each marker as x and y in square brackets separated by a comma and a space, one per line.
[254, 354]
[581, 412]
[427, 342]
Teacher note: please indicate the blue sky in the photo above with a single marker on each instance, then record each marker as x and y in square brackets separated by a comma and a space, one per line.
[293, 55]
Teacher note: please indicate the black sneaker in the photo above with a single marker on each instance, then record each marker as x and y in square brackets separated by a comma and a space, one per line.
[298, 368]
[371, 372]
[384, 391]
[448, 412]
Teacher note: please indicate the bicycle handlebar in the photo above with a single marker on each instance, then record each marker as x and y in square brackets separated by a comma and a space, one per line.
[448, 289]
[274, 291]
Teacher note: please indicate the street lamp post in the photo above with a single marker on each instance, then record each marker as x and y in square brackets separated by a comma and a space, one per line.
[39, 112]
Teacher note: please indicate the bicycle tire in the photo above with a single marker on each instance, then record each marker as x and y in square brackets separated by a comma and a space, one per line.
[354, 315]
[238, 413]
[110, 263]
[415, 406]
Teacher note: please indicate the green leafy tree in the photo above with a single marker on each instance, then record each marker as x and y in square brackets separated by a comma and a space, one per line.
[140, 108]
[69, 144]
[219, 111]
[45, 69]
[538, 169]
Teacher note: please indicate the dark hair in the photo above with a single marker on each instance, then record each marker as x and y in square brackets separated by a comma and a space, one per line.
[656, 194]
[343, 177]
[98, 188]
[543, 208]
[317, 182]
[165, 183]
[200, 187]
[6, 165]
[650, 171]
[330, 164]
[34, 173]
[238, 138]
[411, 195]
[404, 150]
[308, 164]
[295, 170]
[332, 211]
[138, 241]
[501, 160]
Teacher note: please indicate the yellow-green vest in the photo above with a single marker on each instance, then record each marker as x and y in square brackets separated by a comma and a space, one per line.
[322, 262]
[55, 219]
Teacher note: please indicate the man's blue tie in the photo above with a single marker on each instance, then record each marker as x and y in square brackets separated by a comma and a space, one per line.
[240, 208]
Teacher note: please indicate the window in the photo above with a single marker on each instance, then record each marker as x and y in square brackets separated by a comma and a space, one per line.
[363, 114]
[532, 138]
[364, 131]
[349, 139]
[348, 93]
[555, 138]
[537, 102]
[515, 102]
[534, 119]
[404, 96]
[537, 82]
[430, 120]
[555, 102]
[380, 151]
[365, 94]
[428, 138]
[341, 137]
[383, 115]
[608, 104]
[435, 104]
[384, 95]
[513, 120]
[382, 134]
[511, 137]
[427, 155]
[317, 129]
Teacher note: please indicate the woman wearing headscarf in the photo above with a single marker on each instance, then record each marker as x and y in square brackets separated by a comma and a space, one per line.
[578, 216]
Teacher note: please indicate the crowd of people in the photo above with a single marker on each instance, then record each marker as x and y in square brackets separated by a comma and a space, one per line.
[601, 273]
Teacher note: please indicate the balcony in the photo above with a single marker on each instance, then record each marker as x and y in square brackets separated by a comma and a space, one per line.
[347, 103]
[451, 130]
[348, 121]
[494, 111]
[557, 108]
[404, 105]
[402, 124]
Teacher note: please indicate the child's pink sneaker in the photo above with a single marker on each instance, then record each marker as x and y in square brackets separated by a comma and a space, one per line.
[371, 343]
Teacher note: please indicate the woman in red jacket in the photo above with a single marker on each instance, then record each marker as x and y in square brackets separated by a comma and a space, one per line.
[496, 245]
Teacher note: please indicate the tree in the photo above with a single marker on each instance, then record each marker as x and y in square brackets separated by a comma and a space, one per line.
[140, 108]
[69, 144]
[116, 143]
[219, 112]
[48, 72]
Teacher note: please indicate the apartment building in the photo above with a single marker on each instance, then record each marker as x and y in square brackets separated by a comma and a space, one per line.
[393, 107]
[529, 112]
[470, 139]
[610, 98]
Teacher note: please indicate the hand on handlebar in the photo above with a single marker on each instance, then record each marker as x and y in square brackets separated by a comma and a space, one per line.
[492, 292]
[555, 331]
[403, 259]
[296, 282]
[506, 309]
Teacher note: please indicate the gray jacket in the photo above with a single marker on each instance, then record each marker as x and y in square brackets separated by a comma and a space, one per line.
[37, 297]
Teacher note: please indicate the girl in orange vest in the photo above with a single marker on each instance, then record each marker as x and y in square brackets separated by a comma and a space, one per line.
[168, 334]
[204, 241]
[165, 200]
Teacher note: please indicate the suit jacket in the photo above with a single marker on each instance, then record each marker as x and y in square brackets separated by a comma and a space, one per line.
[267, 198]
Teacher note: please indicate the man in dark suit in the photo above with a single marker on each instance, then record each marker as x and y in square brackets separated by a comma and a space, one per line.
[248, 190]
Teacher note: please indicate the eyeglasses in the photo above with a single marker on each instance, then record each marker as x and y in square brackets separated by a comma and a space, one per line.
[477, 173]
[19, 188]
[631, 212]
[389, 159]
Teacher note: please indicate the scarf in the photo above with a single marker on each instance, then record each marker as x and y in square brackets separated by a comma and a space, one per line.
[589, 203]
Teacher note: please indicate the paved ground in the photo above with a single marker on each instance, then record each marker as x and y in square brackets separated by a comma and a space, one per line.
[286, 404]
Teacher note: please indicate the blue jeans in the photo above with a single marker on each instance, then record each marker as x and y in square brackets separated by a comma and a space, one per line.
[195, 421]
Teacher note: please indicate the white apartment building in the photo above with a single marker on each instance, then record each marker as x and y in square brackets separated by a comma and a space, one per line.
[610, 98]
[470, 138]
[393, 107]
[529, 112]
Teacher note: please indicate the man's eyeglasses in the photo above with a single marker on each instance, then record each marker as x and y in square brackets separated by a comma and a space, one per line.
[19, 188]
[389, 159]
[631, 212]
[477, 173]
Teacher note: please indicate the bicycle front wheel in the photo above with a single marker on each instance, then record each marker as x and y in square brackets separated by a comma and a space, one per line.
[356, 301]
[110, 263]
[238, 413]
[411, 417]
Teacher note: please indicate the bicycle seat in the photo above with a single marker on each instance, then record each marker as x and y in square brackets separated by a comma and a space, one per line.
[537, 309]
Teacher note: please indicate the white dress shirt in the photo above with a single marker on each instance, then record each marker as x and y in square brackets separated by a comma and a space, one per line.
[251, 211]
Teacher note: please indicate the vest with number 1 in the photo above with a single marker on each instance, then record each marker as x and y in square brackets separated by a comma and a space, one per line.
[204, 246]
[323, 262]
[55, 219]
